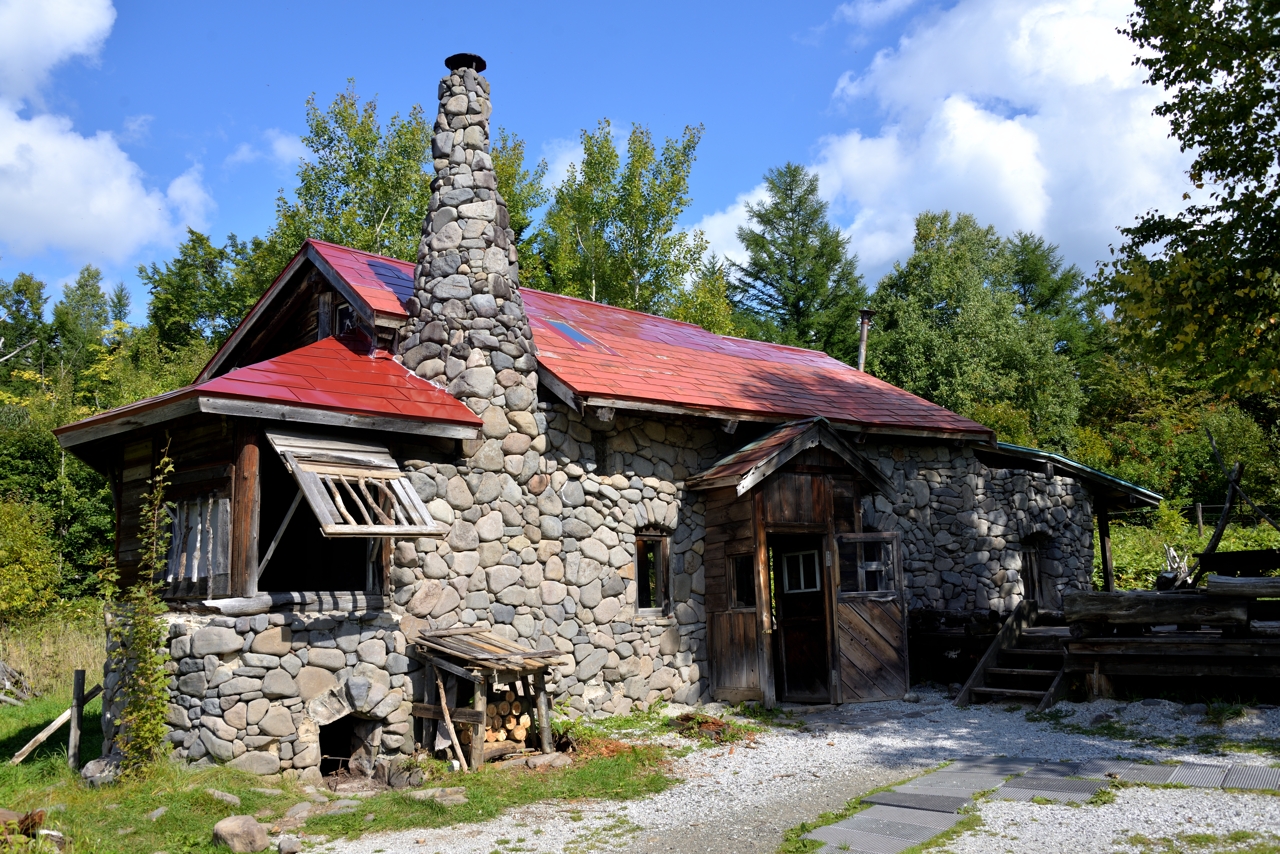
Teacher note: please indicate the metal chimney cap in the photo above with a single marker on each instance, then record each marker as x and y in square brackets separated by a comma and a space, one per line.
[465, 60]
[867, 313]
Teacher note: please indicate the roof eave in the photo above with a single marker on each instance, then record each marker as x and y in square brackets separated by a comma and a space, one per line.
[1136, 493]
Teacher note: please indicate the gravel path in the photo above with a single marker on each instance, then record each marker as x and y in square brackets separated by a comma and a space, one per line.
[1151, 813]
[745, 801]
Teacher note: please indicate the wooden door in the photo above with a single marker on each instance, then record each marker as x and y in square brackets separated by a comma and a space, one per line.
[804, 665]
[871, 619]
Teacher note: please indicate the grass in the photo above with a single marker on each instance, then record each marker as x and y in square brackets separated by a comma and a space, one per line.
[1236, 842]
[48, 648]
[780, 718]
[114, 819]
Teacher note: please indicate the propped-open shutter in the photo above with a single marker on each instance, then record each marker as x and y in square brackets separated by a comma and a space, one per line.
[354, 488]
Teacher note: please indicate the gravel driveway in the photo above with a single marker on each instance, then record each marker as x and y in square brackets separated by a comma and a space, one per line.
[744, 801]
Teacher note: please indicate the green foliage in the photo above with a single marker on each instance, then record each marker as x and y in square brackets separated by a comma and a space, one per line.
[705, 301]
[24, 335]
[1138, 541]
[199, 294]
[520, 187]
[80, 320]
[799, 286]
[953, 327]
[28, 559]
[1199, 288]
[138, 636]
[365, 186]
[610, 232]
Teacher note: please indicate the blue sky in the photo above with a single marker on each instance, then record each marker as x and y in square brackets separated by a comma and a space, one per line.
[121, 124]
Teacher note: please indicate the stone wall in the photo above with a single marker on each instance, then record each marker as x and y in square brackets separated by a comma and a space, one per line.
[563, 577]
[253, 692]
[964, 526]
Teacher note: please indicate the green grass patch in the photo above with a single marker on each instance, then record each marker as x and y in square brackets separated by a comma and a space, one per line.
[115, 818]
[1236, 842]
[971, 821]
[779, 718]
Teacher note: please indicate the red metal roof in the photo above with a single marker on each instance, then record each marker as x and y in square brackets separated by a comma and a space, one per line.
[336, 374]
[385, 283]
[600, 351]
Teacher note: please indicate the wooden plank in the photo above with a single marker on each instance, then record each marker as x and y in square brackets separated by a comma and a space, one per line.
[1104, 533]
[435, 713]
[1148, 608]
[478, 706]
[450, 667]
[542, 702]
[1259, 588]
[307, 415]
[44, 734]
[871, 666]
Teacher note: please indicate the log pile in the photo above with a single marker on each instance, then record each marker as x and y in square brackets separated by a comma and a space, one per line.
[508, 716]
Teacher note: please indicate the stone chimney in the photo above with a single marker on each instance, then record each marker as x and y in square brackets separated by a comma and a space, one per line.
[467, 329]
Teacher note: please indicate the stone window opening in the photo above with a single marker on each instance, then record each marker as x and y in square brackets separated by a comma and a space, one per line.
[1036, 583]
[742, 596]
[652, 586]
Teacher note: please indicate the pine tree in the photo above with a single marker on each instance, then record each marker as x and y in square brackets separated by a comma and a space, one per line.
[799, 286]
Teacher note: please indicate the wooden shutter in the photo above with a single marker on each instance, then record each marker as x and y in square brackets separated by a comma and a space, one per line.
[354, 488]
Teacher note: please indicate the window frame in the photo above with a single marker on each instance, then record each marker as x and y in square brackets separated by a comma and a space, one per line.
[736, 601]
[662, 580]
[817, 572]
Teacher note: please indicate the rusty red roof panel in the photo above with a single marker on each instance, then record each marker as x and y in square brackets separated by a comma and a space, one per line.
[337, 374]
[601, 351]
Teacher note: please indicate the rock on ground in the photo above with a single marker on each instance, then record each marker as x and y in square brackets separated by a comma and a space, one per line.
[241, 833]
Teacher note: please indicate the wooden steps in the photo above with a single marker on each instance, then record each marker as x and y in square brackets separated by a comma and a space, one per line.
[1024, 663]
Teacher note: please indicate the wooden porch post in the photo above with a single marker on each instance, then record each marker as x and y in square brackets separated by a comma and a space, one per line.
[764, 602]
[246, 499]
[1104, 537]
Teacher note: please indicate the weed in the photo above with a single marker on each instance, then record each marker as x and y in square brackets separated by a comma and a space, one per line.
[780, 718]
[1219, 713]
[1102, 797]
[1049, 715]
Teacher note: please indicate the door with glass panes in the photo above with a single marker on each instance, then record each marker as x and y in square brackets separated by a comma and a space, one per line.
[871, 619]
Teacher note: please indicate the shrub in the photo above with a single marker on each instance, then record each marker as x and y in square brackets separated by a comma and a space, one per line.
[28, 559]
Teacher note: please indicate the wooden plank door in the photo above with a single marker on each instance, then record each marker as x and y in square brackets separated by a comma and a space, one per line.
[871, 619]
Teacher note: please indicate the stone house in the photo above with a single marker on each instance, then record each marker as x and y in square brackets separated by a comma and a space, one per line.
[383, 447]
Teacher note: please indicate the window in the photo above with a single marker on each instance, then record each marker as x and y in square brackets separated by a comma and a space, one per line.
[199, 544]
[867, 563]
[743, 578]
[800, 572]
[355, 489]
[651, 572]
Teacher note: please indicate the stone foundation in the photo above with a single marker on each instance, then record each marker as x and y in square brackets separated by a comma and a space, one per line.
[253, 692]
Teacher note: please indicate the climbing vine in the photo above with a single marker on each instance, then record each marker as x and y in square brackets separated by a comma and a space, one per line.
[137, 633]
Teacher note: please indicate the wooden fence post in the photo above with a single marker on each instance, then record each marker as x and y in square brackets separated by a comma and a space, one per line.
[77, 718]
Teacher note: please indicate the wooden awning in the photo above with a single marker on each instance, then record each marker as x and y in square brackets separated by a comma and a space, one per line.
[354, 488]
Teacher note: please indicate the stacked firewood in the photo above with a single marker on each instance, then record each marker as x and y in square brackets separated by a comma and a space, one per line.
[508, 717]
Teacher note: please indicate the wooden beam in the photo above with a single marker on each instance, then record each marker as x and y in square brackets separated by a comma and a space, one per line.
[1153, 609]
[764, 605]
[1104, 542]
[1254, 588]
[261, 603]
[308, 415]
[435, 713]
[77, 719]
[110, 424]
[246, 500]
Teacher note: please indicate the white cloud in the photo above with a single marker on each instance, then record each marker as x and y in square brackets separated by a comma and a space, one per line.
[136, 128]
[60, 189]
[721, 227]
[1030, 115]
[560, 154]
[36, 36]
[83, 195]
[872, 13]
[286, 148]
